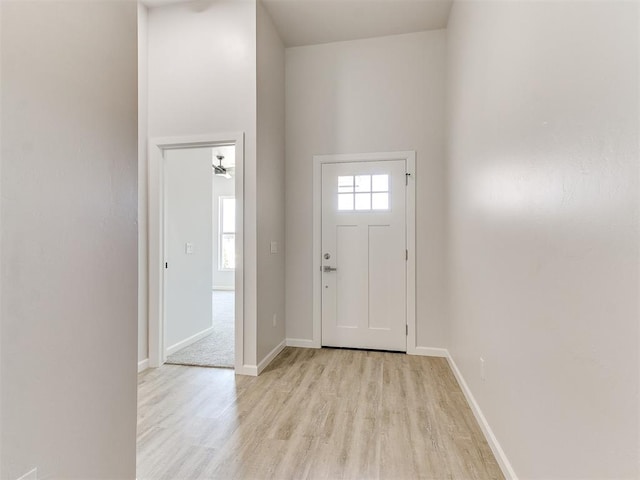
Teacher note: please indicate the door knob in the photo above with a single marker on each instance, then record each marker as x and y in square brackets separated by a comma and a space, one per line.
[327, 269]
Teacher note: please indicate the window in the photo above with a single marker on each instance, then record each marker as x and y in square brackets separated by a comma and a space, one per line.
[227, 229]
[363, 192]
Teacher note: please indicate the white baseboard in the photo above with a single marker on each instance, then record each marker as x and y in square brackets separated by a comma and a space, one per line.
[188, 341]
[143, 365]
[251, 370]
[300, 342]
[501, 457]
[270, 356]
[255, 370]
[429, 352]
[224, 288]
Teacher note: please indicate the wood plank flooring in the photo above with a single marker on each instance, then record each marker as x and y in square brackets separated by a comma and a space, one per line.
[313, 414]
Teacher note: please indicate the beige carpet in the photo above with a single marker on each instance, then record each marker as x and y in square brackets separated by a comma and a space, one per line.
[217, 348]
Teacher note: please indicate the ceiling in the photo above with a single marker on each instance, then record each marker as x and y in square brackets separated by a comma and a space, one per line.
[309, 22]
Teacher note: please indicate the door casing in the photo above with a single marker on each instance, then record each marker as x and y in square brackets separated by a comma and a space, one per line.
[157, 147]
[410, 160]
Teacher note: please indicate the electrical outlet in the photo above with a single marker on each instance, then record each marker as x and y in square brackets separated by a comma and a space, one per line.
[275, 319]
[483, 372]
[274, 247]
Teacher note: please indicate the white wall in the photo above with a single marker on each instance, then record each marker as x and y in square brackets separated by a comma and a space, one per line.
[225, 187]
[188, 219]
[543, 229]
[381, 94]
[143, 238]
[271, 186]
[202, 79]
[69, 255]
[1, 322]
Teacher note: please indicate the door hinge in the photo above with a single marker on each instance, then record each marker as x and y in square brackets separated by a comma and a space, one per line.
[166, 264]
[406, 178]
[407, 330]
[406, 254]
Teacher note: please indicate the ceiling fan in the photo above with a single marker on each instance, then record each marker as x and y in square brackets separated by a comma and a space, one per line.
[219, 169]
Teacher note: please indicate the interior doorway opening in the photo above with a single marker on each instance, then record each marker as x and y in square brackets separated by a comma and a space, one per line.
[199, 321]
[196, 310]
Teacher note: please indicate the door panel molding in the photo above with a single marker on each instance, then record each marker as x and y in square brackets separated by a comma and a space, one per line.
[409, 158]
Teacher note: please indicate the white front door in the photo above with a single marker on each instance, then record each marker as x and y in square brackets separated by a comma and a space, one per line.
[364, 290]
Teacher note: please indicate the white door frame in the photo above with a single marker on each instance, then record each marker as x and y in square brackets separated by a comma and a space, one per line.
[157, 147]
[318, 160]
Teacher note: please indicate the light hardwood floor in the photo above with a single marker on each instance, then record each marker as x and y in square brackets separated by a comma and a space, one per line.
[317, 414]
